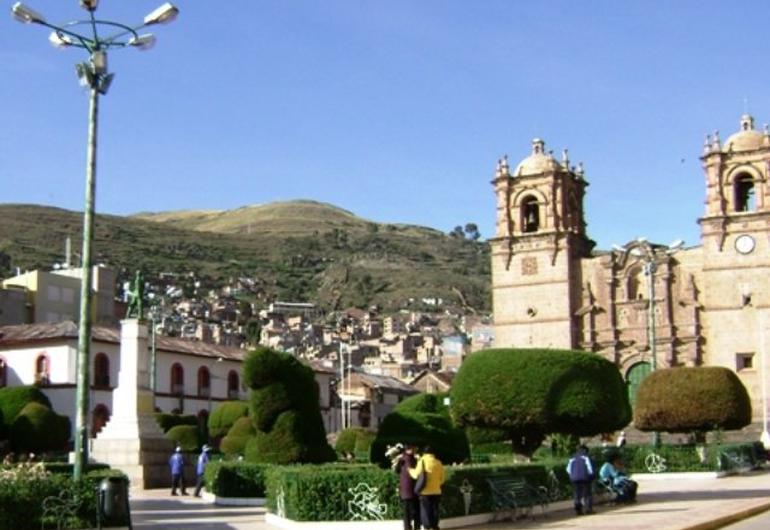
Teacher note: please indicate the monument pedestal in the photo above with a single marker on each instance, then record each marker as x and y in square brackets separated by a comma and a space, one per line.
[132, 440]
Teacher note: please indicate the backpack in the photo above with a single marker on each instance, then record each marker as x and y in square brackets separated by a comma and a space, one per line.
[578, 469]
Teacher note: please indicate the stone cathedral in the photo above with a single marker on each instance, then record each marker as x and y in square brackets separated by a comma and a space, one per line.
[552, 288]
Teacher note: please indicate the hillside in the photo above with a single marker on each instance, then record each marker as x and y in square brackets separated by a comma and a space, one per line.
[298, 250]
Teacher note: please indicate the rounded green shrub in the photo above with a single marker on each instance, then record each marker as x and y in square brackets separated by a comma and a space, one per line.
[354, 440]
[284, 410]
[15, 398]
[235, 441]
[224, 416]
[531, 393]
[421, 420]
[38, 429]
[688, 399]
[186, 436]
[169, 421]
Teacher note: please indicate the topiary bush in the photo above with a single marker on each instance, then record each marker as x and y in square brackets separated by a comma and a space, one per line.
[188, 437]
[688, 399]
[38, 429]
[237, 437]
[422, 419]
[224, 416]
[15, 398]
[354, 440]
[284, 410]
[531, 393]
[236, 479]
[169, 421]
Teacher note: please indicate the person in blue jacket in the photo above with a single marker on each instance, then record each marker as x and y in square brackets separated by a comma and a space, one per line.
[200, 468]
[581, 473]
[176, 462]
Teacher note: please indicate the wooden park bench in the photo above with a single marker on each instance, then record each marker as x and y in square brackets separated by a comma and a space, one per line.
[514, 496]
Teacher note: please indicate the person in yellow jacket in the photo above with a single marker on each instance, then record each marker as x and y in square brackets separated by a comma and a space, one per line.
[430, 494]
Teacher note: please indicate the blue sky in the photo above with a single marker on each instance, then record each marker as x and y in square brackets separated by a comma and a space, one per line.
[395, 110]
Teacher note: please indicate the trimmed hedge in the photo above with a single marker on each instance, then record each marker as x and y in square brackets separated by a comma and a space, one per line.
[322, 493]
[188, 437]
[535, 392]
[682, 458]
[169, 421]
[688, 399]
[236, 479]
[224, 416]
[421, 420]
[15, 398]
[237, 437]
[22, 495]
[38, 429]
[284, 410]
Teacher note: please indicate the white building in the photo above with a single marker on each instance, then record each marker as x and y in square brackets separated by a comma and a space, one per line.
[191, 376]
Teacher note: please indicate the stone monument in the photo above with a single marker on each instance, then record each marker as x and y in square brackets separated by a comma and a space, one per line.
[132, 440]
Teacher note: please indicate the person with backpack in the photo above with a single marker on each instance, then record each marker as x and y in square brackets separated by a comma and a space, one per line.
[581, 473]
[429, 476]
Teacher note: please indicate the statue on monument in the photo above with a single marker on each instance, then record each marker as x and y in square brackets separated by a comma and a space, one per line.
[135, 307]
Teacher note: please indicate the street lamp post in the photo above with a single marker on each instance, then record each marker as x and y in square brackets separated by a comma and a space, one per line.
[650, 254]
[93, 75]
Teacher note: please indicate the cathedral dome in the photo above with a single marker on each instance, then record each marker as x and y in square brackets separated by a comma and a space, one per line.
[538, 162]
[747, 139]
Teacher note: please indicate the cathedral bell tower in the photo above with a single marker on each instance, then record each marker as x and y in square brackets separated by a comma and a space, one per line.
[735, 232]
[539, 240]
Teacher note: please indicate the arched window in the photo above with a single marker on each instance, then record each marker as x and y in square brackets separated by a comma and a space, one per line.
[233, 385]
[177, 379]
[635, 284]
[634, 378]
[530, 215]
[42, 370]
[745, 200]
[101, 416]
[204, 382]
[101, 371]
[3, 373]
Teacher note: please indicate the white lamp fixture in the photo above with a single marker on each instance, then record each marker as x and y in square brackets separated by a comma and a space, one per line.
[26, 15]
[59, 40]
[143, 42]
[162, 15]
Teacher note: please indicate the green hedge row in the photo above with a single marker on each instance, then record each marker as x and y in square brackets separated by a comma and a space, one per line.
[236, 479]
[23, 500]
[327, 492]
[682, 458]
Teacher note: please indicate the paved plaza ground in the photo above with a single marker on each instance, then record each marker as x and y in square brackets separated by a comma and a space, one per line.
[664, 504]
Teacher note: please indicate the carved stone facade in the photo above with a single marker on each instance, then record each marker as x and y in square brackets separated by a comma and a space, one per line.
[551, 289]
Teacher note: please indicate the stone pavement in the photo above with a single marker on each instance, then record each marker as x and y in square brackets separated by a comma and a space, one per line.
[663, 504]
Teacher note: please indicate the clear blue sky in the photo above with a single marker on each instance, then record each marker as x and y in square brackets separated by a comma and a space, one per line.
[396, 110]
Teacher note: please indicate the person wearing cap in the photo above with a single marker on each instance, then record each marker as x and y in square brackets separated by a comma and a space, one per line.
[200, 468]
[176, 462]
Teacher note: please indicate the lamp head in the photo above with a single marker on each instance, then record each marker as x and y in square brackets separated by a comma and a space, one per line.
[59, 40]
[676, 245]
[26, 15]
[143, 42]
[162, 15]
[89, 5]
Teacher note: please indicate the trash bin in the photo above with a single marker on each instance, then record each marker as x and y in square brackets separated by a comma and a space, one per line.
[113, 500]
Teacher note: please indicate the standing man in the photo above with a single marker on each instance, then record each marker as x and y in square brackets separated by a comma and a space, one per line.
[176, 462]
[581, 474]
[430, 493]
[200, 469]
